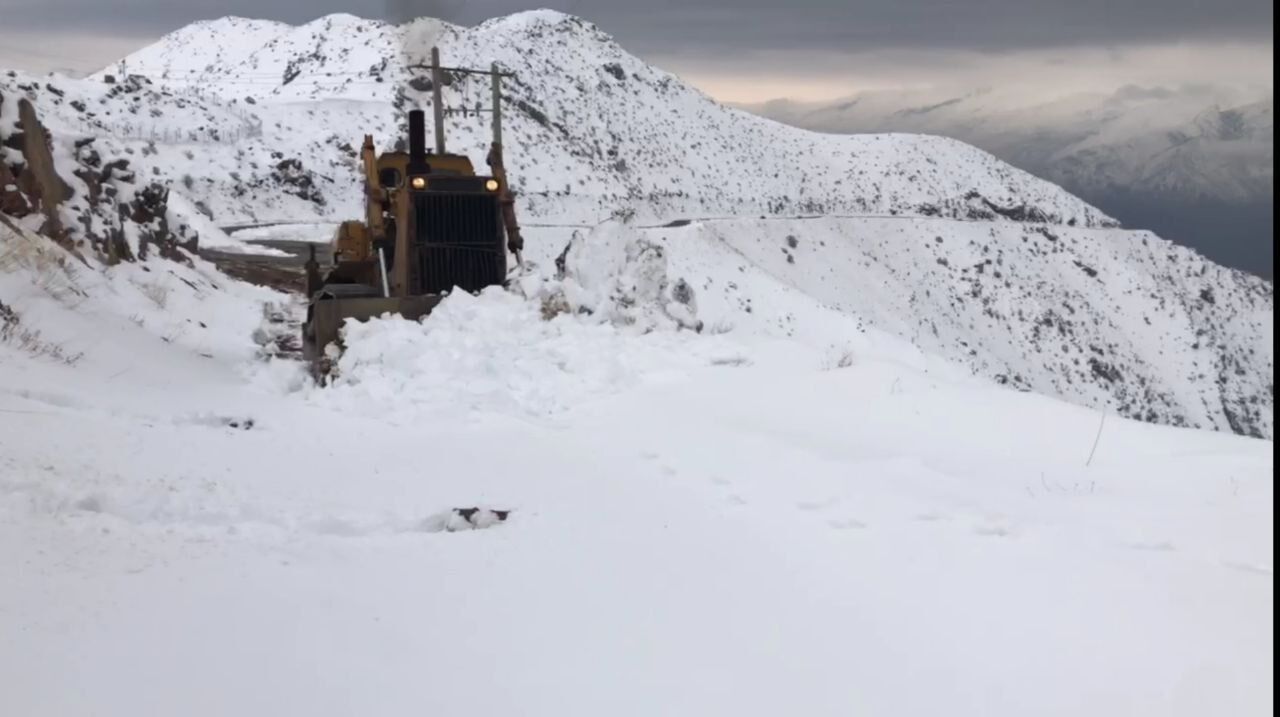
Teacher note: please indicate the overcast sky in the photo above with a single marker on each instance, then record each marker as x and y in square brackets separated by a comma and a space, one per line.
[757, 49]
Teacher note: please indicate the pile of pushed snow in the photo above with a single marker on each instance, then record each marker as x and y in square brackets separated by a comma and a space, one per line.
[614, 315]
[619, 275]
[496, 352]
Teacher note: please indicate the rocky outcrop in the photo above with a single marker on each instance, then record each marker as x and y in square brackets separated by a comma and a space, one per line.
[97, 205]
[12, 201]
[46, 190]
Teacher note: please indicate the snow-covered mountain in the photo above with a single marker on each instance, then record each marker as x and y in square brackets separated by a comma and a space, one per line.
[929, 238]
[1196, 162]
[553, 498]
[592, 130]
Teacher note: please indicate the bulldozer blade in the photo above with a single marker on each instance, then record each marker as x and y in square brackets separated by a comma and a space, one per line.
[326, 317]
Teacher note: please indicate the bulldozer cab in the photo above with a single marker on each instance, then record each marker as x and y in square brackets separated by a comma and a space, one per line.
[431, 226]
[393, 167]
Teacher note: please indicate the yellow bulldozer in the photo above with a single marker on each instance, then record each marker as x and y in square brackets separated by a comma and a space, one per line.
[432, 225]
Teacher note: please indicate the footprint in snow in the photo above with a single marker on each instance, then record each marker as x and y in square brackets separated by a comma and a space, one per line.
[722, 483]
[1248, 567]
[847, 524]
[1162, 546]
[654, 457]
[335, 526]
[993, 531]
[49, 398]
[932, 517]
[90, 504]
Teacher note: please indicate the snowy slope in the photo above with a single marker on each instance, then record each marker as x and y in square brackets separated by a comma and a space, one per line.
[66, 310]
[1124, 321]
[714, 523]
[592, 132]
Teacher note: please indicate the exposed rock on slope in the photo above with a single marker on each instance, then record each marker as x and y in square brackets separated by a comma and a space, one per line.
[86, 202]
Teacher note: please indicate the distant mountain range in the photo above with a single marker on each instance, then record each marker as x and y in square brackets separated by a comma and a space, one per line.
[1193, 163]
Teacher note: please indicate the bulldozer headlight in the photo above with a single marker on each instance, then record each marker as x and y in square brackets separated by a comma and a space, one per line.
[418, 182]
[491, 185]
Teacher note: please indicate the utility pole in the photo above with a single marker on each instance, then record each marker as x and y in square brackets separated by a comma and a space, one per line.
[515, 242]
[497, 104]
[437, 102]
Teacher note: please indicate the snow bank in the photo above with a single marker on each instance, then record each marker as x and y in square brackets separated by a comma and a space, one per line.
[117, 316]
[497, 353]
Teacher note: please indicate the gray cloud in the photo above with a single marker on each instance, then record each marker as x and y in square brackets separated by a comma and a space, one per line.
[711, 26]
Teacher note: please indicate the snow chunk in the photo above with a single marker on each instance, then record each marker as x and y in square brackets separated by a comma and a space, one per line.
[621, 276]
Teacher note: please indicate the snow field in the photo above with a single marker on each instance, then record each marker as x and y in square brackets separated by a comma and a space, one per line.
[689, 534]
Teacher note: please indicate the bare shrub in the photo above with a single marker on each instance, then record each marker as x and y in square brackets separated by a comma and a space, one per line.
[837, 359]
[13, 332]
[45, 263]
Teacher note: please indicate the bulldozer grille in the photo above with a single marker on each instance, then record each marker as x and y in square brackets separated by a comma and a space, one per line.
[459, 242]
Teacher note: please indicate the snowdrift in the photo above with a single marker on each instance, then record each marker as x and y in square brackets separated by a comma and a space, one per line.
[497, 352]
